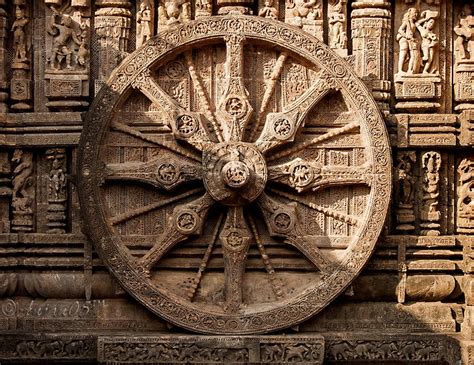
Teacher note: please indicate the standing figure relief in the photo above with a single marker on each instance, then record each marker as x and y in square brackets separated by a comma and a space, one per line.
[414, 56]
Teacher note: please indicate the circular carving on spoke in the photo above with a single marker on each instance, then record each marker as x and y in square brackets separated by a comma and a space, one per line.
[167, 173]
[234, 240]
[282, 128]
[235, 106]
[186, 221]
[301, 175]
[282, 222]
[186, 125]
[228, 207]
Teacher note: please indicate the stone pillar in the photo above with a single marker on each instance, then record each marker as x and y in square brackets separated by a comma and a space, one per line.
[20, 87]
[112, 26]
[371, 34]
[3, 58]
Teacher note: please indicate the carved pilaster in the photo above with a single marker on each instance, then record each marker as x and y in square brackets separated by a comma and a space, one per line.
[419, 63]
[112, 27]
[3, 57]
[430, 214]
[371, 34]
[67, 54]
[20, 87]
[23, 193]
[405, 185]
[57, 190]
[464, 57]
[308, 15]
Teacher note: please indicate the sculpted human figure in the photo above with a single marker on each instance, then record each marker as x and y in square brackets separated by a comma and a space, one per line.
[22, 180]
[406, 181]
[430, 41]
[203, 5]
[466, 190]
[301, 9]
[19, 35]
[409, 44]
[336, 25]
[269, 11]
[431, 188]
[144, 30]
[465, 33]
[63, 35]
[172, 11]
[57, 179]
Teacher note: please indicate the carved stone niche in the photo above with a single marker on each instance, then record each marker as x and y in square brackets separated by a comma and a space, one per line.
[258, 193]
[67, 54]
[418, 82]
[464, 57]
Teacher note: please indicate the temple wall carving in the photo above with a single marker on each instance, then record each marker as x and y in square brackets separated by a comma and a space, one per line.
[301, 167]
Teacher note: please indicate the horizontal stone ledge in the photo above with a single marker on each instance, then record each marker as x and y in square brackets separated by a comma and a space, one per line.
[162, 348]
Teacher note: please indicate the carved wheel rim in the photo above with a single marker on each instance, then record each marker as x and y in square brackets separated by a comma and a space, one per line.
[243, 198]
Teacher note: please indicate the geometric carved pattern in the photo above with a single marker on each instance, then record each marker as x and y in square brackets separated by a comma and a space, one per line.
[218, 263]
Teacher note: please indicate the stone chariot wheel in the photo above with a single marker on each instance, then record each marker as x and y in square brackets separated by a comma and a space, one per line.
[234, 175]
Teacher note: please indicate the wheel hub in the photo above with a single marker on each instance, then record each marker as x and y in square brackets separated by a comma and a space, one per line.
[235, 173]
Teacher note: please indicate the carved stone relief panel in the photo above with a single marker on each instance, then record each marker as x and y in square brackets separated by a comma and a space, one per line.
[420, 60]
[230, 171]
[464, 56]
[67, 47]
[308, 15]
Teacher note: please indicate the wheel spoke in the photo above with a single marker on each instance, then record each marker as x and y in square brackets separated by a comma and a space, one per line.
[266, 261]
[314, 141]
[281, 128]
[187, 126]
[269, 91]
[203, 95]
[172, 146]
[282, 221]
[346, 218]
[205, 261]
[235, 238]
[163, 173]
[235, 110]
[150, 207]
[186, 220]
[303, 175]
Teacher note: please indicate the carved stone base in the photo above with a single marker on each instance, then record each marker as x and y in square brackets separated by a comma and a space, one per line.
[212, 350]
[158, 348]
[464, 85]
[417, 92]
[67, 91]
